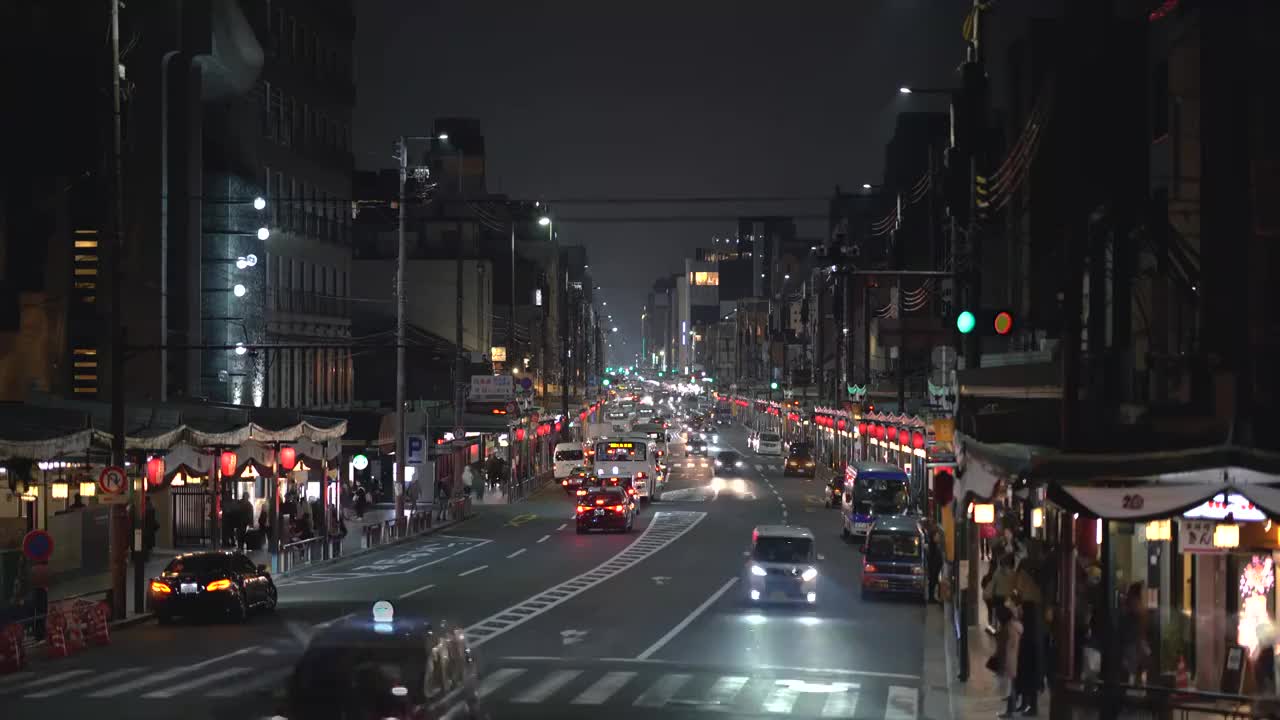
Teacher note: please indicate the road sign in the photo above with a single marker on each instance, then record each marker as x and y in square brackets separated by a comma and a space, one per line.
[37, 546]
[526, 383]
[112, 480]
[415, 449]
[491, 388]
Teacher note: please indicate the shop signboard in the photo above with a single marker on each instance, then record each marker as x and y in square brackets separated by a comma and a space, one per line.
[1196, 536]
[491, 388]
[1239, 507]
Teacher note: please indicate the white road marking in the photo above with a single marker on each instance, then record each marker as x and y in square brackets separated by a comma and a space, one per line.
[415, 591]
[55, 678]
[269, 679]
[544, 538]
[780, 700]
[548, 687]
[385, 566]
[495, 680]
[562, 526]
[841, 704]
[604, 688]
[662, 641]
[197, 682]
[663, 690]
[518, 552]
[725, 689]
[771, 668]
[14, 679]
[334, 621]
[666, 527]
[168, 674]
[901, 704]
[476, 569]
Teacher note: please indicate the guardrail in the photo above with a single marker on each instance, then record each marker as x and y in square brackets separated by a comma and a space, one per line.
[1080, 701]
[301, 553]
[380, 533]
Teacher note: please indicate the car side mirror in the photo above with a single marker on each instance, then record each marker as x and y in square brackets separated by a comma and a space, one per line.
[262, 569]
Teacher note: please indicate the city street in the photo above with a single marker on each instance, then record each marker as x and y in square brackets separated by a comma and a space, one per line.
[653, 623]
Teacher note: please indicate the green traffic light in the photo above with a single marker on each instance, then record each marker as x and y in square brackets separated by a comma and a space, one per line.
[773, 386]
[965, 322]
[605, 382]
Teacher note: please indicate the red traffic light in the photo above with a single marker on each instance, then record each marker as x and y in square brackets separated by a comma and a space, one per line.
[1003, 323]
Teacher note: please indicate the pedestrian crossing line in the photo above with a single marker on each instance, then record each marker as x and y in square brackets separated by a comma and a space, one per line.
[548, 687]
[841, 704]
[496, 680]
[604, 688]
[14, 679]
[197, 682]
[781, 699]
[265, 681]
[902, 703]
[724, 691]
[171, 674]
[52, 679]
[663, 690]
[103, 678]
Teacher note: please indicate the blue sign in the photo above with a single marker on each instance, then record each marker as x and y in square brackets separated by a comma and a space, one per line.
[37, 545]
[415, 449]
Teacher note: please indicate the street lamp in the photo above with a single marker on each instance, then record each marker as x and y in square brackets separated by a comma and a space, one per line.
[866, 186]
[544, 221]
[442, 136]
[259, 203]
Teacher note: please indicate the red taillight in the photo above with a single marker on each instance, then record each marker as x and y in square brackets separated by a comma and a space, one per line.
[619, 508]
[599, 501]
[583, 508]
[869, 568]
[581, 493]
[160, 588]
[564, 482]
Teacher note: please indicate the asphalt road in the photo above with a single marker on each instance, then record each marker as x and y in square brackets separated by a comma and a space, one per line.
[650, 624]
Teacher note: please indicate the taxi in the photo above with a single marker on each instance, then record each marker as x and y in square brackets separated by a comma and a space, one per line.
[384, 666]
[576, 478]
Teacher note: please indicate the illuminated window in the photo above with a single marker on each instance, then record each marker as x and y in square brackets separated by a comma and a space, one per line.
[85, 351]
[86, 244]
[86, 271]
[704, 278]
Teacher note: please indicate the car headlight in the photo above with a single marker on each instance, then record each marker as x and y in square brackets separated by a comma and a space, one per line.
[758, 571]
[809, 574]
[738, 464]
[718, 463]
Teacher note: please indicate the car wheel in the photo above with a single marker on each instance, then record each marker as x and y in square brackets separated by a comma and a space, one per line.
[273, 598]
[240, 612]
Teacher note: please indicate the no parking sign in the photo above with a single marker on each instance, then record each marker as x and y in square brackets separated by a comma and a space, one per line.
[112, 484]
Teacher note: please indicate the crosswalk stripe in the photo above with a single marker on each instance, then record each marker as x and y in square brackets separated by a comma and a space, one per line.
[104, 678]
[51, 679]
[547, 687]
[604, 688]
[197, 682]
[661, 691]
[781, 699]
[725, 689]
[901, 703]
[497, 679]
[262, 682]
[14, 679]
[840, 704]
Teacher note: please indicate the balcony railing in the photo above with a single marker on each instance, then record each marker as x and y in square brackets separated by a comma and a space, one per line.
[308, 303]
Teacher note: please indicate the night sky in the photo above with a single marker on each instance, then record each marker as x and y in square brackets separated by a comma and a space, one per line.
[655, 99]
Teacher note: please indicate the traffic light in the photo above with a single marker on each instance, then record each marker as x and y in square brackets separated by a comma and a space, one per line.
[773, 385]
[605, 382]
[987, 321]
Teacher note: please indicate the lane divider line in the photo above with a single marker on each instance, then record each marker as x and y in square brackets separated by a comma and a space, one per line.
[411, 593]
[662, 641]
[562, 526]
[544, 538]
[666, 527]
[518, 552]
[476, 569]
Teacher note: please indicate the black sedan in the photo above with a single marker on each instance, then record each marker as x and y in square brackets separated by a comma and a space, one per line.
[212, 583]
[728, 463]
[578, 477]
[799, 463]
[610, 509]
[696, 446]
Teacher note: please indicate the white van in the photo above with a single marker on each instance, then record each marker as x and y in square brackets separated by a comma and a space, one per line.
[768, 443]
[568, 456]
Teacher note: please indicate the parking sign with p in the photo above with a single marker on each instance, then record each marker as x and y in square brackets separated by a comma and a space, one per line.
[415, 449]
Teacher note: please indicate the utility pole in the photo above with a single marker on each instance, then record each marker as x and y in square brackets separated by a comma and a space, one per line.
[902, 352]
[119, 527]
[564, 337]
[401, 260]
[459, 366]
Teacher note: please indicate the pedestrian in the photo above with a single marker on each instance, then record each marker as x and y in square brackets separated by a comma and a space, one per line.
[934, 558]
[1029, 681]
[1135, 650]
[1008, 640]
[1001, 583]
[443, 493]
[986, 535]
[362, 502]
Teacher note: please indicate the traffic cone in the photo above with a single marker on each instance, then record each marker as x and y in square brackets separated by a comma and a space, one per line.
[55, 627]
[11, 659]
[74, 630]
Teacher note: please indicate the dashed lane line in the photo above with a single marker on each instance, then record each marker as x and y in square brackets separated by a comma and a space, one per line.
[415, 591]
[472, 571]
[521, 551]
[544, 538]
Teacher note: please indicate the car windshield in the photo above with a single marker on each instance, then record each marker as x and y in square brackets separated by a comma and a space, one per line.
[728, 458]
[782, 549]
[769, 437]
[800, 450]
[568, 455]
[893, 546]
[331, 676]
[883, 496]
[199, 565]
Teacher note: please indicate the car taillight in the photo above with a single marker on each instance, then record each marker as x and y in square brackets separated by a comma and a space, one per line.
[641, 476]
[869, 568]
[599, 502]
[581, 493]
[583, 508]
[619, 508]
[223, 584]
[564, 482]
[161, 588]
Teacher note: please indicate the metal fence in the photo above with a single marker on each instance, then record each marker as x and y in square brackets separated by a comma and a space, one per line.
[301, 553]
[1078, 701]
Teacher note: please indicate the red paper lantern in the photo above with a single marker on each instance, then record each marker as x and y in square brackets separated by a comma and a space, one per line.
[842, 423]
[862, 428]
[893, 434]
[228, 463]
[917, 440]
[519, 434]
[288, 457]
[155, 470]
[558, 425]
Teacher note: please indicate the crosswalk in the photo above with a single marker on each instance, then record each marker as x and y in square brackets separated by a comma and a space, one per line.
[142, 682]
[695, 465]
[799, 694]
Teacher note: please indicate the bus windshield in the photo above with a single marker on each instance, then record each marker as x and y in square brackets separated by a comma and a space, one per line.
[620, 452]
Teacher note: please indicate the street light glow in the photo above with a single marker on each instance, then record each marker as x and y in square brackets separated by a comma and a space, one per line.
[442, 136]
[866, 186]
[259, 203]
[239, 290]
[263, 233]
[904, 90]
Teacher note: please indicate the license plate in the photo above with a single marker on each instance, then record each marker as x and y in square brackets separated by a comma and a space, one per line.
[189, 588]
[600, 512]
[861, 526]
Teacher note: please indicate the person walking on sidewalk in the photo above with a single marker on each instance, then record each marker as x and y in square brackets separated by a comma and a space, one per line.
[1001, 583]
[934, 558]
[1005, 661]
[1030, 678]
[362, 501]
[444, 491]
